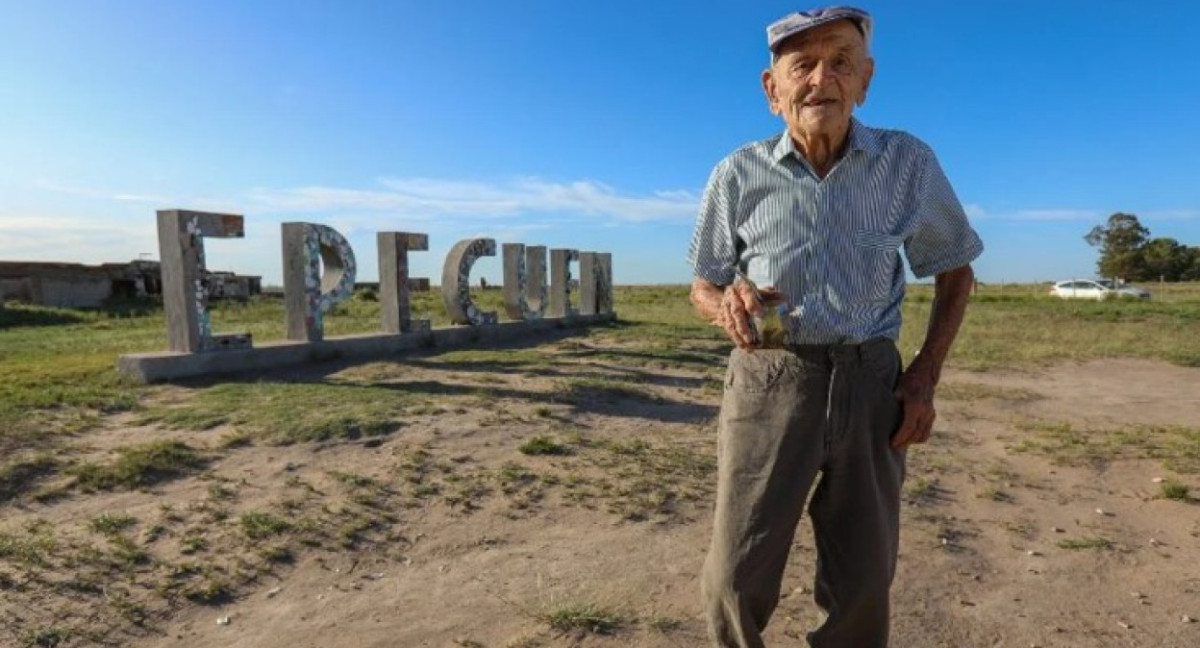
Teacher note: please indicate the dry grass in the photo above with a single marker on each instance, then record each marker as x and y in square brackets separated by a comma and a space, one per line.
[57, 387]
[1177, 447]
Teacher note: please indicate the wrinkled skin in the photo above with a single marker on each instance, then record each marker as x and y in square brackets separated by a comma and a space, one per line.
[816, 79]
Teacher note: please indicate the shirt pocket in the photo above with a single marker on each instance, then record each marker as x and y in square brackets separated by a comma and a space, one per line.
[877, 255]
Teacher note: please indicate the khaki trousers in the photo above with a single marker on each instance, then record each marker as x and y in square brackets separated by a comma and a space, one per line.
[787, 416]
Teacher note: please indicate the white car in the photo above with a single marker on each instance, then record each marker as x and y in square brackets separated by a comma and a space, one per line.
[1096, 289]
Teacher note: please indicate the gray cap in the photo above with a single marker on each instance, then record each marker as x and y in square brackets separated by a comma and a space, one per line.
[794, 23]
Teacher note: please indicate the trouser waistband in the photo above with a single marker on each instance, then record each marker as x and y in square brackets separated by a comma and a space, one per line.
[842, 352]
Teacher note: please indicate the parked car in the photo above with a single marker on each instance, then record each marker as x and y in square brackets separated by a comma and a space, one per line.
[1096, 289]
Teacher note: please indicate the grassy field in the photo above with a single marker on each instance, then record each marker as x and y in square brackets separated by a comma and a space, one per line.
[58, 384]
[57, 377]
[56, 366]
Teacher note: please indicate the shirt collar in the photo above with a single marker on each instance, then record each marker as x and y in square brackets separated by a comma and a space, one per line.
[860, 138]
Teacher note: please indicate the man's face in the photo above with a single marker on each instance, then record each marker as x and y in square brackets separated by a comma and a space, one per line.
[817, 78]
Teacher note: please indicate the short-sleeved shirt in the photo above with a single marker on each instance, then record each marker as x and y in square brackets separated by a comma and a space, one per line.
[831, 246]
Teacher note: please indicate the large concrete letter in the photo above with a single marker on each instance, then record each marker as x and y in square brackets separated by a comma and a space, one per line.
[525, 295]
[307, 294]
[185, 297]
[595, 283]
[394, 284]
[604, 290]
[560, 282]
[456, 281]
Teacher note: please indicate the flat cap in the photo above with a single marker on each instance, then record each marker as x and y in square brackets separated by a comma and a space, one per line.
[794, 23]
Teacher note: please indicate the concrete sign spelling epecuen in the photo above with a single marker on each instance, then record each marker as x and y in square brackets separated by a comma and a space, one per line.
[308, 294]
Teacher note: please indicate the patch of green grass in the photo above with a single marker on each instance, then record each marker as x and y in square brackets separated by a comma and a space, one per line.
[426, 490]
[920, 489]
[1086, 542]
[210, 590]
[56, 371]
[1020, 326]
[512, 359]
[465, 491]
[605, 389]
[278, 554]
[1178, 447]
[1173, 490]
[583, 617]
[513, 475]
[652, 353]
[631, 448]
[235, 439]
[641, 481]
[354, 480]
[193, 544]
[663, 624]
[31, 385]
[351, 532]
[31, 549]
[140, 466]
[127, 553]
[996, 495]
[112, 523]
[971, 391]
[257, 525]
[268, 410]
[47, 637]
[542, 445]
[222, 491]
[128, 609]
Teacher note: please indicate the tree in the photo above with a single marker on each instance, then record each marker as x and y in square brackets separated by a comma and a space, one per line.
[1127, 252]
[1120, 241]
[1166, 258]
[1191, 271]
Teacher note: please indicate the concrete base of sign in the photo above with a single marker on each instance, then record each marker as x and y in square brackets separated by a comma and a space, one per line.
[160, 367]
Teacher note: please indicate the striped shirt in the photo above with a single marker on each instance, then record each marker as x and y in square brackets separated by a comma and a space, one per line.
[831, 246]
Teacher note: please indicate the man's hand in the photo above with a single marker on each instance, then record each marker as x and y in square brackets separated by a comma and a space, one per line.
[915, 394]
[738, 303]
[729, 307]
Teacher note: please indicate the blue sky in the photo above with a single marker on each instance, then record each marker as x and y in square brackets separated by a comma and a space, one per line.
[585, 125]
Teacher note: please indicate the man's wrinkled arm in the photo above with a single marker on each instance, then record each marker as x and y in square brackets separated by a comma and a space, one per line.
[706, 300]
[952, 290]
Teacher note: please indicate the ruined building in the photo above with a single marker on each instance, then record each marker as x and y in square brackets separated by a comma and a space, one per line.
[74, 285]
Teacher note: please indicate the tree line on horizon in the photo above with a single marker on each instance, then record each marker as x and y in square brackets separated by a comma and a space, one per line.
[1127, 252]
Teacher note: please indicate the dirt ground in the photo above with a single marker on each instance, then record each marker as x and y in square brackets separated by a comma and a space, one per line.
[987, 557]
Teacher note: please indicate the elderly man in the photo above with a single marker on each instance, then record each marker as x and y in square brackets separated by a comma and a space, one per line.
[816, 216]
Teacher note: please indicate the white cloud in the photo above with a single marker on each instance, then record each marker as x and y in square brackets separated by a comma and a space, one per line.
[1171, 215]
[1054, 215]
[141, 198]
[978, 213]
[72, 239]
[423, 199]
[12, 224]
[92, 225]
[87, 192]
[975, 212]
